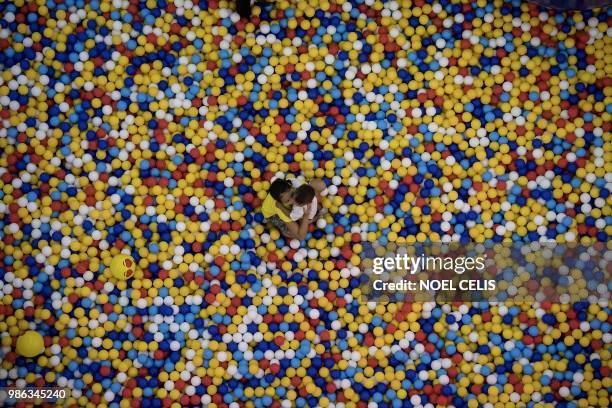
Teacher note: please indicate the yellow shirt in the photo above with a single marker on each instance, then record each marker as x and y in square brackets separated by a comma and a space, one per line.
[269, 208]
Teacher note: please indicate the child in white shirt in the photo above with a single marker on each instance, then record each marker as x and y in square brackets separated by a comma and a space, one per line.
[307, 200]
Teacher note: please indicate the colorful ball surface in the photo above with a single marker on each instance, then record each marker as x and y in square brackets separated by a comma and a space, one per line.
[122, 267]
[30, 344]
[154, 128]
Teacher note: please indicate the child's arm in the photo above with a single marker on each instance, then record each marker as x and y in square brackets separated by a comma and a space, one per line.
[284, 209]
[318, 185]
[298, 230]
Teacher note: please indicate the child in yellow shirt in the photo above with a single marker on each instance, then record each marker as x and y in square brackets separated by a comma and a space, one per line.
[291, 210]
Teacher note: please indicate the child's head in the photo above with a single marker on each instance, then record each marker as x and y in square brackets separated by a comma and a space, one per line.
[280, 190]
[304, 194]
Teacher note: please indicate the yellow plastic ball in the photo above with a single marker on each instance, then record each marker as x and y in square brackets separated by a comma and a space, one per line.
[122, 266]
[30, 344]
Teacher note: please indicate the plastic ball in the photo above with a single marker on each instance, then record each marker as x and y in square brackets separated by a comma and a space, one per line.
[122, 267]
[30, 344]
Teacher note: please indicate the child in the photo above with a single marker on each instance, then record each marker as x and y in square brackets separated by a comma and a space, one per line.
[277, 207]
[307, 200]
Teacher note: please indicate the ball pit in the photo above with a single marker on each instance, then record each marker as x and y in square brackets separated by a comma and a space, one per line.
[154, 127]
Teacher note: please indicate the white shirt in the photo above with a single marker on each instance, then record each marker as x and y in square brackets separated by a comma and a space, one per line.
[297, 212]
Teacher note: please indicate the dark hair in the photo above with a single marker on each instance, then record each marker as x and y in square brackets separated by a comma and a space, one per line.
[304, 194]
[278, 187]
[244, 8]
